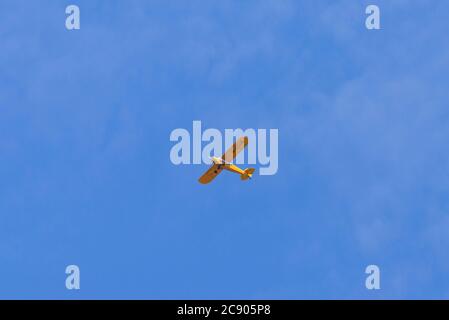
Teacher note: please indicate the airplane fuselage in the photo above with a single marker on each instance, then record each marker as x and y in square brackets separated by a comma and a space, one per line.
[226, 165]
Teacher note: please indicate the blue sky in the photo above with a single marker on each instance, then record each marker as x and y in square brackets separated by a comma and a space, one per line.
[86, 178]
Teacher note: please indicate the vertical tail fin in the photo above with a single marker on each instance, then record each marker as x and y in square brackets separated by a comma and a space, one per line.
[248, 173]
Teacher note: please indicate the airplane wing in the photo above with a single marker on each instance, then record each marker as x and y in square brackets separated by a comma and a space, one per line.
[210, 174]
[232, 152]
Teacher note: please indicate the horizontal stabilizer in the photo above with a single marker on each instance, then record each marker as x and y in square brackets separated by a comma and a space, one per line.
[247, 174]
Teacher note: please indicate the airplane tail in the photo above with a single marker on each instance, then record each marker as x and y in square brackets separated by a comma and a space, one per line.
[248, 173]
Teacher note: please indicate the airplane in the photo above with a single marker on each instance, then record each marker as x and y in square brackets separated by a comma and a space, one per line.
[224, 163]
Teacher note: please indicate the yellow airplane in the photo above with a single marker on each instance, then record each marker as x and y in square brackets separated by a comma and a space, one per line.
[224, 163]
